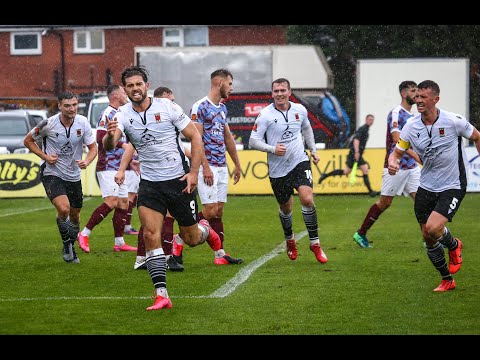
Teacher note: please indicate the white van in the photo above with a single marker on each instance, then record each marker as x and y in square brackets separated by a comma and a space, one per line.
[96, 107]
[98, 104]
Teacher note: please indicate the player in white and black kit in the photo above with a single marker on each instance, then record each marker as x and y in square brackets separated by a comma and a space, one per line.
[167, 182]
[63, 136]
[436, 136]
[278, 131]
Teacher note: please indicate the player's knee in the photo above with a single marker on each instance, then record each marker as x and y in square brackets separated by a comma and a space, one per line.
[192, 235]
[63, 210]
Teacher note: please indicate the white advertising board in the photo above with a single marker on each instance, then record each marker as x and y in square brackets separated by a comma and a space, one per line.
[377, 88]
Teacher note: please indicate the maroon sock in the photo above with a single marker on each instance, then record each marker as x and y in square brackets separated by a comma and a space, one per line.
[167, 235]
[98, 215]
[372, 216]
[140, 243]
[128, 217]
[118, 220]
[217, 225]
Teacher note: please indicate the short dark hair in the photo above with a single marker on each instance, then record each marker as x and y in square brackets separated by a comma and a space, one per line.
[281, 80]
[162, 90]
[134, 70]
[111, 88]
[66, 95]
[406, 84]
[222, 73]
[429, 84]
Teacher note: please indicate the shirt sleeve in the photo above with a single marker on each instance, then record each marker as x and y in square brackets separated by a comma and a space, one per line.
[257, 137]
[463, 126]
[393, 124]
[179, 118]
[403, 142]
[89, 138]
[40, 130]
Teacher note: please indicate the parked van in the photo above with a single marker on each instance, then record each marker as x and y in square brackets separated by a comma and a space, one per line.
[330, 123]
[98, 105]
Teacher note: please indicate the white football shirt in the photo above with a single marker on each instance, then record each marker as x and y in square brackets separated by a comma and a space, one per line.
[155, 135]
[440, 148]
[274, 127]
[66, 143]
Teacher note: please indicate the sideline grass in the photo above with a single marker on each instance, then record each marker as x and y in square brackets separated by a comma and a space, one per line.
[383, 290]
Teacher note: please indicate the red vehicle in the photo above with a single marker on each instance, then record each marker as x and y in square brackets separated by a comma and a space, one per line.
[329, 129]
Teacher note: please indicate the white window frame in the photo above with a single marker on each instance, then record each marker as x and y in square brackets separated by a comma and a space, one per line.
[171, 38]
[88, 49]
[180, 38]
[37, 51]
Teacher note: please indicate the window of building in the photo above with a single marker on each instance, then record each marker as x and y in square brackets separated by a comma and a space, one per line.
[26, 43]
[188, 36]
[88, 42]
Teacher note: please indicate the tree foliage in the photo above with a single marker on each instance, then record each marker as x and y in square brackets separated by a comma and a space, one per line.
[344, 44]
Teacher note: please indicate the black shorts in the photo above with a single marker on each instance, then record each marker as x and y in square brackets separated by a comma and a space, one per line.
[283, 186]
[446, 203]
[167, 195]
[54, 186]
[351, 160]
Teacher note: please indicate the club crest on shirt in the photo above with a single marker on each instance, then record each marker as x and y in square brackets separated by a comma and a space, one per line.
[157, 117]
[297, 116]
[441, 132]
[79, 132]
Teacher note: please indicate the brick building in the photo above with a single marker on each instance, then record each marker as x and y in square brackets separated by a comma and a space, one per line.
[39, 61]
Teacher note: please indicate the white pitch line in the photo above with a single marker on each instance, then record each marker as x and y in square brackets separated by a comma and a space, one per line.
[32, 210]
[225, 290]
[248, 270]
[26, 211]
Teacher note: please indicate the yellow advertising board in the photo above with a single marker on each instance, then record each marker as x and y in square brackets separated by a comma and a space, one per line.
[20, 177]
[254, 177]
[20, 174]
[335, 159]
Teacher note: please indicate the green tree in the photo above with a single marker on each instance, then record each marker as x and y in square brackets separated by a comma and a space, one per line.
[344, 44]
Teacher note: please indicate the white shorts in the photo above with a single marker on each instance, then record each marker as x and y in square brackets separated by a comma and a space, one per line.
[132, 180]
[403, 182]
[218, 191]
[108, 186]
